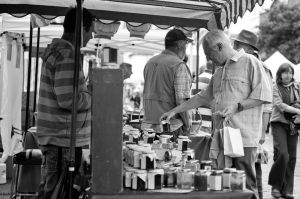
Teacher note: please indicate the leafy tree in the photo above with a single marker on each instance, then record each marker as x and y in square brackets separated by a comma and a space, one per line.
[281, 31]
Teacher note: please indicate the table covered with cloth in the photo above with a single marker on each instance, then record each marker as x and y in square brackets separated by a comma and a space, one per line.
[201, 145]
[191, 195]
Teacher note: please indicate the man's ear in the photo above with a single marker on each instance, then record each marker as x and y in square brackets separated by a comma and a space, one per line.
[219, 46]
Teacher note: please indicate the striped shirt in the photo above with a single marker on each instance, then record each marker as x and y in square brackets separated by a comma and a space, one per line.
[56, 95]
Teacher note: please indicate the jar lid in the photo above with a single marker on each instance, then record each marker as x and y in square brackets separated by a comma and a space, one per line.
[183, 137]
[158, 171]
[140, 171]
[206, 162]
[166, 136]
[164, 122]
[149, 130]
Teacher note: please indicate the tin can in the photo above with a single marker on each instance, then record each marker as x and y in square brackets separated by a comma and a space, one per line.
[166, 126]
[148, 160]
[170, 177]
[139, 180]
[201, 180]
[128, 177]
[155, 179]
[183, 143]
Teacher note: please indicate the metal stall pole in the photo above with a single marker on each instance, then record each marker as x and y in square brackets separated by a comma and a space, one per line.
[27, 117]
[197, 60]
[36, 72]
[78, 35]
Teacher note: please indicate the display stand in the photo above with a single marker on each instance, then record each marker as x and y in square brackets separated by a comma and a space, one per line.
[106, 147]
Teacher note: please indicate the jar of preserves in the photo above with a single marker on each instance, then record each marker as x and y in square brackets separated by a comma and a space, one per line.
[185, 179]
[201, 180]
[238, 180]
[215, 180]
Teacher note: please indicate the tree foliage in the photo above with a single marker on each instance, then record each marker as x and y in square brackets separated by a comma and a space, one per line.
[281, 31]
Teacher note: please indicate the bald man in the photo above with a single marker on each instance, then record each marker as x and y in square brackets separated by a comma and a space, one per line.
[237, 91]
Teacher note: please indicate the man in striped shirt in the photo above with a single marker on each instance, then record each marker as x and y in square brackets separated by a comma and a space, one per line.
[55, 104]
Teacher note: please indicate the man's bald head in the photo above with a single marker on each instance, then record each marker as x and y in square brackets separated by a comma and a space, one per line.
[217, 46]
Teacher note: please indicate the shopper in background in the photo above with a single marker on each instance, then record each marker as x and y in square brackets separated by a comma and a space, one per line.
[237, 92]
[54, 115]
[168, 84]
[247, 41]
[126, 70]
[285, 136]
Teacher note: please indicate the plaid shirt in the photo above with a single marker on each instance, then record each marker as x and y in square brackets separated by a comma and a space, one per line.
[243, 77]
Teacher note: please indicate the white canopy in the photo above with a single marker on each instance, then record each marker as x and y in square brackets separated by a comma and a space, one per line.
[276, 59]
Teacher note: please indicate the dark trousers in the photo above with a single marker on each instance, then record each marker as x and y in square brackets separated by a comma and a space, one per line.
[281, 175]
[54, 164]
[259, 179]
[247, 163]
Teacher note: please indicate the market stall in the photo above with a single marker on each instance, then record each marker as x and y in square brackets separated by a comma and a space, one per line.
[106, 137]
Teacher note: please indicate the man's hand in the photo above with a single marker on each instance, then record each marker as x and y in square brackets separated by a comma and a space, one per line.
[297, 119]
[167, 116]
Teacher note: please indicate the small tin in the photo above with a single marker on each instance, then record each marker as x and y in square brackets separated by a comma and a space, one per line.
[170, 177]
[166, 126]
[128, 177]
[155, 179]
[139, 180]
[183, 143]
[148, 160]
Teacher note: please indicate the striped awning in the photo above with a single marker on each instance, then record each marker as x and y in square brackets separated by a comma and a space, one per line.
[208, 14]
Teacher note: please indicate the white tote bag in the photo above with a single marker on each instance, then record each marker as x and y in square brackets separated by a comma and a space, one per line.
[233, 143]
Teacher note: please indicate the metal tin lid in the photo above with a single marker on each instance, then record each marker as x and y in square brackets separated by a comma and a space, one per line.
[206, 162]
[164, 122]
[183, 137]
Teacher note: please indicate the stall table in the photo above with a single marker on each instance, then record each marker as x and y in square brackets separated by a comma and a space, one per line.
[191, 195]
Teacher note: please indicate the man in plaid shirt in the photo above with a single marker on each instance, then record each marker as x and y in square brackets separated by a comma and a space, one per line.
[237, 92]
[167, 84]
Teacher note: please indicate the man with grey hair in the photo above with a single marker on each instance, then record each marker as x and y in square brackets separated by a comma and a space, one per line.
[167, 84]
[237, 91]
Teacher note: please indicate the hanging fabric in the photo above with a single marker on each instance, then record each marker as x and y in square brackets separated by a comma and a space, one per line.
[11, 81]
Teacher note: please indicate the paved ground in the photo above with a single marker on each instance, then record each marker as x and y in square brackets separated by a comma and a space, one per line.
[266, 168]
[5, 189]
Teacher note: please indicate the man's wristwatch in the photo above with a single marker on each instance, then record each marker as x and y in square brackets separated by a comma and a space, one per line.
[240, 107]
